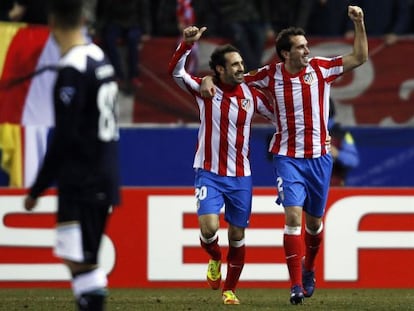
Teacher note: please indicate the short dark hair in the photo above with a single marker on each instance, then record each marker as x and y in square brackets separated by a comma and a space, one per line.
[217, 57]
[68, 13]
[283, 42]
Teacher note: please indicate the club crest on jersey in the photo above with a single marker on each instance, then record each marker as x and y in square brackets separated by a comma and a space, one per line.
[66, 94]
[308, 78]
[245, 103]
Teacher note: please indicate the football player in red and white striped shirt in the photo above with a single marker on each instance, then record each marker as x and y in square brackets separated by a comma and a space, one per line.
[223, 176]
[300, 86]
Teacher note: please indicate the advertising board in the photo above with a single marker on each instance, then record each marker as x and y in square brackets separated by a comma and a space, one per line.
[153, 241]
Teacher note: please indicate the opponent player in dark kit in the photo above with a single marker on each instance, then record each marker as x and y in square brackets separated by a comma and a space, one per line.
[82, 157]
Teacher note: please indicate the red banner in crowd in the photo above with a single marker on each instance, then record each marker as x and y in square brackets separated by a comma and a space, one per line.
[380, 92]
[152, 241]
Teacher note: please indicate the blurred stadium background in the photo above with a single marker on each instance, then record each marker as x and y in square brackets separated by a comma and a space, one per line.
[158, 136]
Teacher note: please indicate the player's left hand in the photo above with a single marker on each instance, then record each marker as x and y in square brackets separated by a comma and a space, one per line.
[355, 13]
[207, 87]
[29, 203]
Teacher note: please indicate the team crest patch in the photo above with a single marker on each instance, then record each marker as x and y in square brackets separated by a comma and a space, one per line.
[66, 94]
[308, 78]
[245, 104]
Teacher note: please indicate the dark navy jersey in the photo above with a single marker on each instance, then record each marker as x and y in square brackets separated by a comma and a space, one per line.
[82, 157]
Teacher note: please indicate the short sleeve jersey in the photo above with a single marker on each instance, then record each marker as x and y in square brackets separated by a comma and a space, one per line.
[302, 105]
[83, 154]
[225, 120]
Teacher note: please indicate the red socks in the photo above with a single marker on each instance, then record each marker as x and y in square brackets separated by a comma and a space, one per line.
[213, 248]
[292, 242]
[235, 263]
[293, 251]
[312, 244]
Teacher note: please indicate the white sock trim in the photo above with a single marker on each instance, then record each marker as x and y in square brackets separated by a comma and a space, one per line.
[237, 243]
[292, 230]
[90, 281]
[319, 230]
[68, 243]
[210, 240]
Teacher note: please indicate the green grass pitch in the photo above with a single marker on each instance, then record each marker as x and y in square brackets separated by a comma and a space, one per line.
[205, 299]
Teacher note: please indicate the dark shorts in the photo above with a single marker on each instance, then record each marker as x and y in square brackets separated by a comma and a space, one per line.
[80, 229]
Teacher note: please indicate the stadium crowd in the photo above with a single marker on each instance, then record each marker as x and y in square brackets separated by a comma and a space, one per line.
[247, 24]
[317, 17]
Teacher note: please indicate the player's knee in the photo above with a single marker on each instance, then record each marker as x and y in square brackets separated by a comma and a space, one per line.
[209, 225]
[236, 233]
[208, 231]
[293, 216]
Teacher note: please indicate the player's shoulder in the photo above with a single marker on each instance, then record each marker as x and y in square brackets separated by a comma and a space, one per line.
[79, 56]
[256, 92]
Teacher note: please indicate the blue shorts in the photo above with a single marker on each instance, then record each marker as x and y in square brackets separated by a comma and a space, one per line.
[303, 182]
[234, 193]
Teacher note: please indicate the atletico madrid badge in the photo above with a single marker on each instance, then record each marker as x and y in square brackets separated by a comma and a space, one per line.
[308, 78]
[245, 104]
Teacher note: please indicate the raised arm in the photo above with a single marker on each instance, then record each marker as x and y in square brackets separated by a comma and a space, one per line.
[359, 53]
[176, 67]
[192, 34]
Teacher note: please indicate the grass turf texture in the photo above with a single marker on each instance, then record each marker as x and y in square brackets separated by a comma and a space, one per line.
[206, 299]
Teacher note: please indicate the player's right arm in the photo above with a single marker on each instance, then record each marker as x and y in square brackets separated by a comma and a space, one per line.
[359, 54]
[259, 78]
[176, 67]
[265, 106]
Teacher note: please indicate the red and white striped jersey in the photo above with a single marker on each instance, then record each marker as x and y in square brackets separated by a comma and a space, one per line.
[225, 120]
[302, 105]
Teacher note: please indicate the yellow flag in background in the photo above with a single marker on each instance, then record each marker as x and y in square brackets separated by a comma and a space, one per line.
[26, 107]
[8, 31]
[11, 147]
[10, 134]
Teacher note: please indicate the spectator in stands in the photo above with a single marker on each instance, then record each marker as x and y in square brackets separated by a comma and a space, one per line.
[207, 13]
[411, 28]
[6, 7]
[185, 18]
[388, 18]
[165, 17]
[282, 14]
[343, 149]
[127, 20]
[90, 16]
[185, 14]
[33, 11]
[243, 23]
[329, 18]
